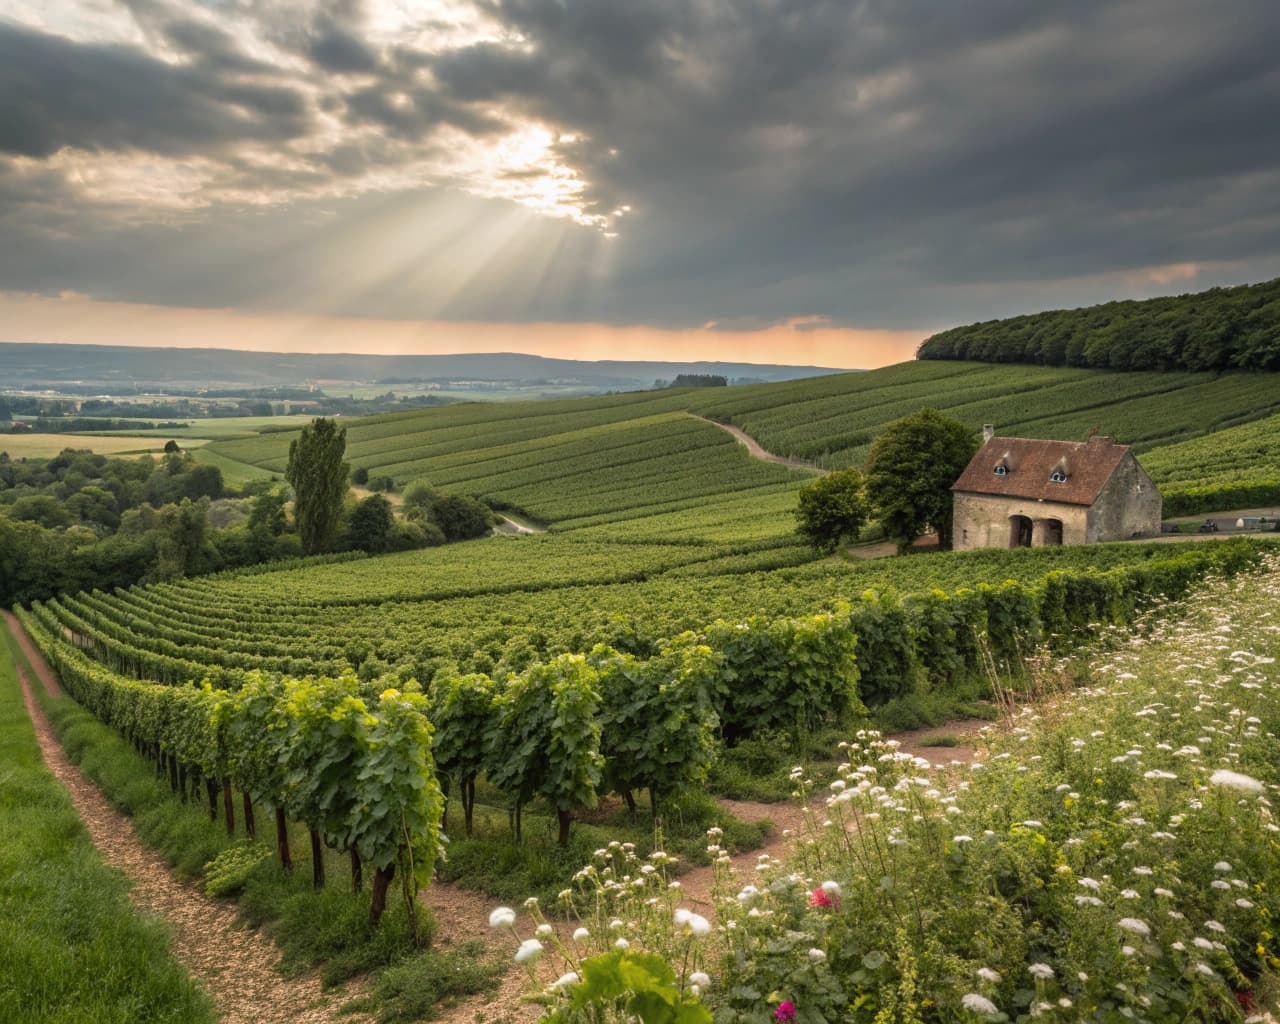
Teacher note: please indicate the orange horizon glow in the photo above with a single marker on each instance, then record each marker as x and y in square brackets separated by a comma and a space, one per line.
[79, 320]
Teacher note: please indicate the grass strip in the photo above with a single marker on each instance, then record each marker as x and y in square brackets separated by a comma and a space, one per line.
[73, 950]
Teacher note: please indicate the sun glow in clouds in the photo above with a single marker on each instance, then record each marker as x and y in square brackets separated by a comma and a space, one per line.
[414, 147]
[524, 167]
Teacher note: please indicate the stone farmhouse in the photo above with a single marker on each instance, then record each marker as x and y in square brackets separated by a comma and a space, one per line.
[1019, 492]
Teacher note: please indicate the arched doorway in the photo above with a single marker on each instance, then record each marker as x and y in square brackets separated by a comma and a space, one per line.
[1019, 532]
[1052, 532]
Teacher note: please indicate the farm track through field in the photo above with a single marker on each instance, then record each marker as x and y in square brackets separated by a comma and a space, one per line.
[236, 965]
[753, 447]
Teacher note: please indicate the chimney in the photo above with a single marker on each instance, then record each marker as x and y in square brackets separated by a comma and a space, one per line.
[988, 432]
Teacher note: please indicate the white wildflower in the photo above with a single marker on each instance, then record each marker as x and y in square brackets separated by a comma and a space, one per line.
[529, 951]
[978, 1004]
[502, 917]
[1235, 780]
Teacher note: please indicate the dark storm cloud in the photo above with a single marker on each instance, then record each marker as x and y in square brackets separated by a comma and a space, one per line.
[770, 147]
[882, 162]
[335, 49]
[56, 93]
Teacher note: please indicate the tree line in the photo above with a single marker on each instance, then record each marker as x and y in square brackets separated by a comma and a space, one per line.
[1219, 329]
[80, 520]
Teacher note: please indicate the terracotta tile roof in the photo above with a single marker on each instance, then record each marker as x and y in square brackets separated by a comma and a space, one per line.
[1087, 465]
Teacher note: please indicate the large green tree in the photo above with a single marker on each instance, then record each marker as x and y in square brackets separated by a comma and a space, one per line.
[319, 480]
[372, 525]
[910, 471]
[832, 509]
[461, 518]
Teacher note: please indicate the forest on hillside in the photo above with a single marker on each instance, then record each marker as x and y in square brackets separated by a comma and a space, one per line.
[1220, 329]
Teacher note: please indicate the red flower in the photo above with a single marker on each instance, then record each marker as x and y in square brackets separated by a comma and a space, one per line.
[1245, 999]
[821, 898]
[786, 1010]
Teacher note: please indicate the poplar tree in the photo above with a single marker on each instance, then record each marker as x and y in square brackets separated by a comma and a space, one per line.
[318, 477]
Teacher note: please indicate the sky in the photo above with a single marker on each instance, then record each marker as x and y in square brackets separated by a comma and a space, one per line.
[794, 181]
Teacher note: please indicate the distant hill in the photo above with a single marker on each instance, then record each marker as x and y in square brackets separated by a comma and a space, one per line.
[1221, 329]
[26, 365]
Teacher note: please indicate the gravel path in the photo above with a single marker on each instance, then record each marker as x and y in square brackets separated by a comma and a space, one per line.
[235, 965]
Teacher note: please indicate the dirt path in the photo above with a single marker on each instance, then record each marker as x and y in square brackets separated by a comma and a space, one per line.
[511, 527]
[788, 823]
[754, 448]
[463, 916]
[235, 965]
[791, 822]
[920, 742]
[42, 670]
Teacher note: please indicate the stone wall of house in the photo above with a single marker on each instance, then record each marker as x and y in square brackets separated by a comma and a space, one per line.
[986, 521]
[1129, 505]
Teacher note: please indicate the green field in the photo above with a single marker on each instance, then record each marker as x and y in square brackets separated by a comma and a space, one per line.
[669, 572]
[233, 471]
[46, 446]
[220, 427]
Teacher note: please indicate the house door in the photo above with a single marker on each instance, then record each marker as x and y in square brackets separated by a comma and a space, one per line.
[1019, 532]
[1053, 531]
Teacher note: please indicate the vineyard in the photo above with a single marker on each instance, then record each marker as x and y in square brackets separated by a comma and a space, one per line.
[476, 608]
[1234, 468]
[345, 730]
[597, 458]
[667, 617]
[834, 426]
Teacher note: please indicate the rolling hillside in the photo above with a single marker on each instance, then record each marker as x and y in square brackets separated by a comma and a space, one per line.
[572, 459]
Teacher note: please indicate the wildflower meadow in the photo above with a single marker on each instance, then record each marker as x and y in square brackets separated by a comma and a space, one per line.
[1110, 856]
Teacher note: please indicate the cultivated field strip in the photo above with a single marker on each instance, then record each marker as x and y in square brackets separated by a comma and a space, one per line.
[1247, 452]
[217, 629]
[1144, 409]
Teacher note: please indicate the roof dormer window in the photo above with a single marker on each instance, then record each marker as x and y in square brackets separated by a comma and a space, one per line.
[1057, 477]
[1002, 470]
